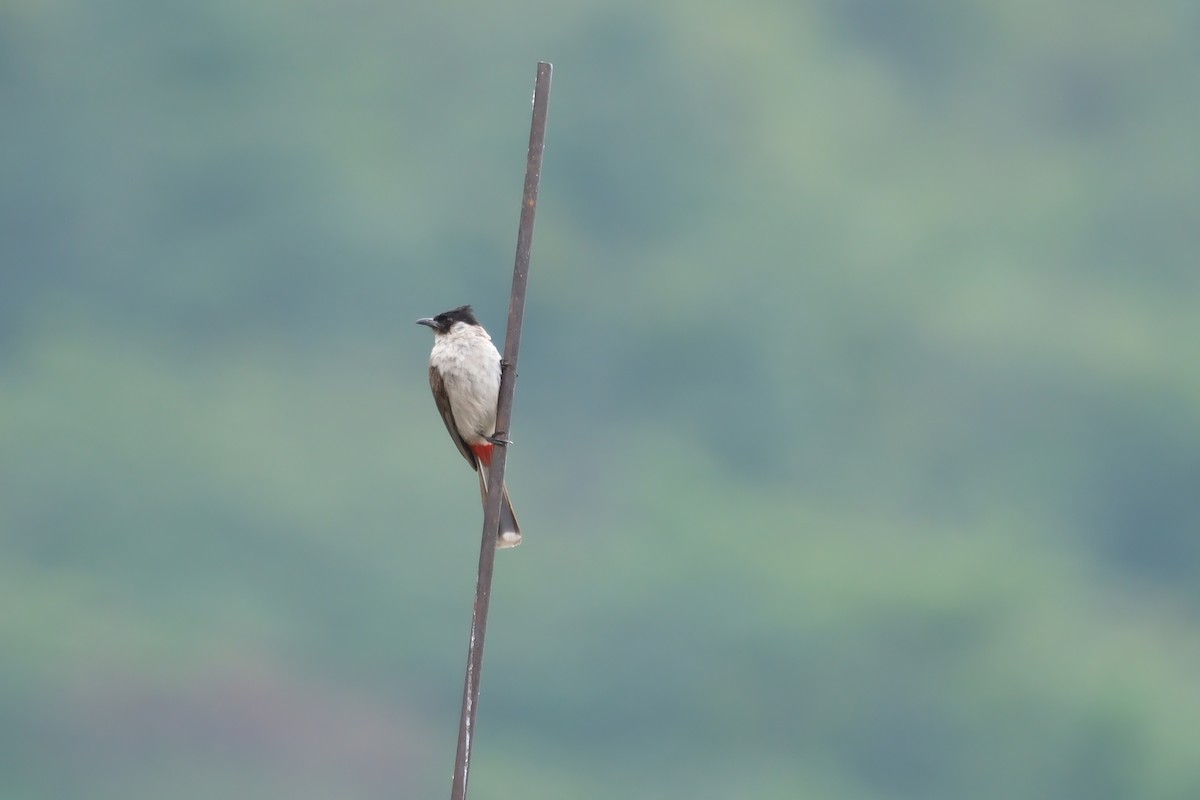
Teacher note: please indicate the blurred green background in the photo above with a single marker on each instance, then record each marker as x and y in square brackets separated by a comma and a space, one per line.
[858, 430]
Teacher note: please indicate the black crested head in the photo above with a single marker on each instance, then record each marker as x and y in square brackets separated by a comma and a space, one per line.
[461, 314]
[444, 321]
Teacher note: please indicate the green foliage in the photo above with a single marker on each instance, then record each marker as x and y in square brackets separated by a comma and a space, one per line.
[858, 430]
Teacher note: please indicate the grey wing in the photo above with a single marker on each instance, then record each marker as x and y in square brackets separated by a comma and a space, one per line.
[443, 403]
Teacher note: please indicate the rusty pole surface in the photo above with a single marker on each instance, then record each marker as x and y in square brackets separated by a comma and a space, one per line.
[508, 379]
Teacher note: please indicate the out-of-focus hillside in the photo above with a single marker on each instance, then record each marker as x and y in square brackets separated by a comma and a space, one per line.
[858, 425]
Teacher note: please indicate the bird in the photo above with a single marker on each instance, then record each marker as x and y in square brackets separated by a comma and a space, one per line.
[464, 374]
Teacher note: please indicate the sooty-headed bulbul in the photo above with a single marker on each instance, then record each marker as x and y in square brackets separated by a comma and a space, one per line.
[464, 373]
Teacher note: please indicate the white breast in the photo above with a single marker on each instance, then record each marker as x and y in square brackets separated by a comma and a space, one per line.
[470, 367]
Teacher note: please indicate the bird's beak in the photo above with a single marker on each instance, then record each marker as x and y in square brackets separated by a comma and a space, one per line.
[427, 321]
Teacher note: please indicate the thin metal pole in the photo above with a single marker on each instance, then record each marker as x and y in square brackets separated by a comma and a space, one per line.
[508, 379]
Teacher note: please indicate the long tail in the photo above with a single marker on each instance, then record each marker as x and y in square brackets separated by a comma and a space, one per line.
[510, 531]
